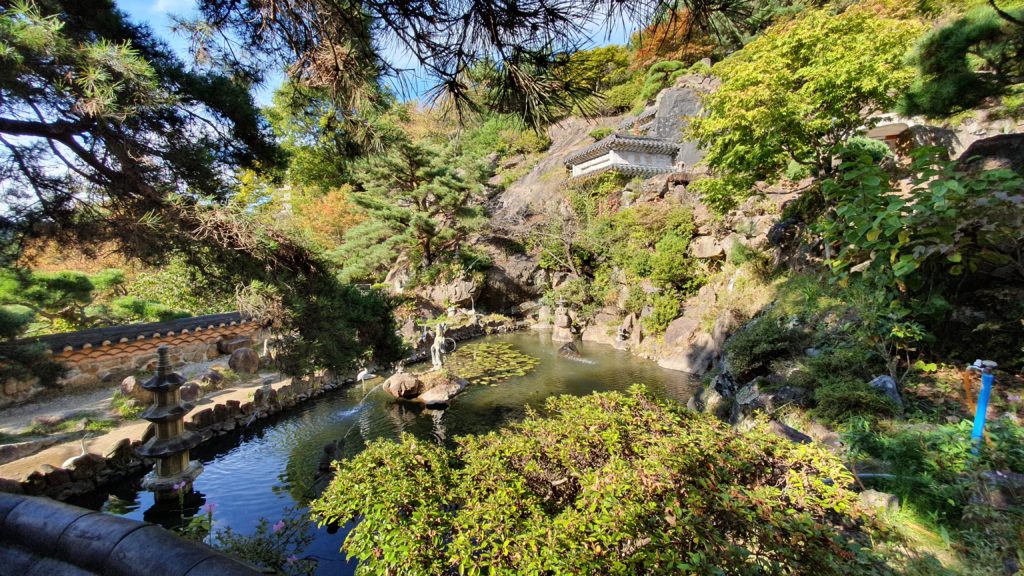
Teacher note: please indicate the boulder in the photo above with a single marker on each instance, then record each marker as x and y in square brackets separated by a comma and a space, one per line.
[403, 385]
[886, 385]
[789, 433]
[1000, 489]
[1004, 151]
[716, 399]
[441, 392]
[570, 351]
[132, 388]
[244, 361]
[706, 247]
[229, 345]
[211, 379]
[455, 293]
[190, 392]
[881, 501]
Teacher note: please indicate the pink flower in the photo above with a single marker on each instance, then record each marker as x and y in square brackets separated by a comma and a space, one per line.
[209, 508]
[279, 526]
[292, 559]
[179, 486]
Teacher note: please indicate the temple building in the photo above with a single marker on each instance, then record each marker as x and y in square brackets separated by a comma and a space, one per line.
[625, 154]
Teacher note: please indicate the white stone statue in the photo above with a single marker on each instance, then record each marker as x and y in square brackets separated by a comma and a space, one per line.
[437, 348]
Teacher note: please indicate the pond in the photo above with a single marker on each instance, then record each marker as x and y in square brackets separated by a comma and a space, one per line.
[266, 469]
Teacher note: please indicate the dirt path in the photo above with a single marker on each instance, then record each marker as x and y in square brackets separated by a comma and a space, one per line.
[17, 418]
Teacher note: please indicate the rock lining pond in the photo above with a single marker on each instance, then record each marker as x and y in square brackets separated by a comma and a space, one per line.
[264, 470]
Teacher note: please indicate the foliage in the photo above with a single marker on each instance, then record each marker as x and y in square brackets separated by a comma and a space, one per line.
[592, 196]
[801, 89]
[622, 97]
[648, 241]
[905, 246]
[21, 361]
[127, 408]
[415, 202]
[69, 300]
[838, 400]
[965, 61]
[934, 465]
[863, 147]
[600, 133]
[510, 58]
[750, 351]
[86, 95]
[673, 36]
[723, 192]
[273, 547]
[660, 76]
[606, 484]
[179, 286]
[664, 309]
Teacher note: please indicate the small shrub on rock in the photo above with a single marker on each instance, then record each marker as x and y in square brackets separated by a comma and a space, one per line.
[606, 484]
[750, 351]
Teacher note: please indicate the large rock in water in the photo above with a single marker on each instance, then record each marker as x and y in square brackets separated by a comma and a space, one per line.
[244, 361]
[441, 388]
[403, 385]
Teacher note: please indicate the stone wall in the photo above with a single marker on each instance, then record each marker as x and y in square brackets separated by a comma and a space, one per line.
[106, 355]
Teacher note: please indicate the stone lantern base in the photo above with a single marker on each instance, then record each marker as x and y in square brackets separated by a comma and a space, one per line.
[163, 486]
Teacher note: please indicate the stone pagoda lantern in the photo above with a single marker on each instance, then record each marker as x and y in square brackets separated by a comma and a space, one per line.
[171, 443]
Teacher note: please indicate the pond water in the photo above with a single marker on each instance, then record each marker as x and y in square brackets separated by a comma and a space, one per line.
[266, 469]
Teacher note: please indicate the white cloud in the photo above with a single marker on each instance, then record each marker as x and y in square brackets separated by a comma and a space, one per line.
[174, 6]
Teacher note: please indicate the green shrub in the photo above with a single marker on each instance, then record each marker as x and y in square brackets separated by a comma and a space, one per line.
[751, 350]
[838, 400]
[601, 133]
[660, 76]
[125, 406]
[861, 146]
[606, 484]
[796, 171]
[624, 96]
[664, 309]
[758, 261]
[723, 193]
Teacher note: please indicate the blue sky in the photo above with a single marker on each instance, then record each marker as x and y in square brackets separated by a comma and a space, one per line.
[157, 14]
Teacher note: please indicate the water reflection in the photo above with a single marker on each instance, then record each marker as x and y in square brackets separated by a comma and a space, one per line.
[264, 470]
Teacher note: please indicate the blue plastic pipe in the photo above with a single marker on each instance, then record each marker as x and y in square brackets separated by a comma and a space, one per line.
[979, 414]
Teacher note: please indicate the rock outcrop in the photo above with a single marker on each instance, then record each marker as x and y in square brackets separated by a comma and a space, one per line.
[430, 388]
[244, 361]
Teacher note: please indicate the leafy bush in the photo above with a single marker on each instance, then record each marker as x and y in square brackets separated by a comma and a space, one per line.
[750, 351]
[624, 96]
[796, 172]
[724, 192]
[664, 309]
[839, 399]
[607, 484]
[600, 133]
[274, 547]
[862, 147]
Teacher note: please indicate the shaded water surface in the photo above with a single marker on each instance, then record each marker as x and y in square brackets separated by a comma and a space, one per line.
[266, 469]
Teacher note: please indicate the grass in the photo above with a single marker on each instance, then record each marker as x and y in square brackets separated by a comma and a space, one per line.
[84, 423]
[126, 407]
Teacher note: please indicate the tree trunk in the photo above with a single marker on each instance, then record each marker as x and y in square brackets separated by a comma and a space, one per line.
[428, 257]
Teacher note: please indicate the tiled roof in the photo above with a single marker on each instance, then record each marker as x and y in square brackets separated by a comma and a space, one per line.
[99, 336]
[622, 142]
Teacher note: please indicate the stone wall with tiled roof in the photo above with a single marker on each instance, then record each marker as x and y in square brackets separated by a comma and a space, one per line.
[623, 142]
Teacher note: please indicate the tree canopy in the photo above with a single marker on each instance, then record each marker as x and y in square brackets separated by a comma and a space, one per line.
[802, 88]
